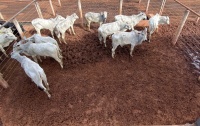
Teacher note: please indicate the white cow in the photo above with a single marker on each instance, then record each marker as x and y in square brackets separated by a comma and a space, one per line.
[5, 30]
[95, 17]
[134, 19]
[155, 21]
[36, 38]
[110, 28]
[49, 24]
[34, 71]
[39, 49]
[123, 38]
[65, 24]
[5, 40]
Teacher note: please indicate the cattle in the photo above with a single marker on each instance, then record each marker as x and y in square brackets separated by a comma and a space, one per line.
[49, 24]
[65, 24]
[13, 28]
[95, 17]
[36, 38]
[5, 40]
[110, 28]
[39, 49]
[34, 71]
[155, 21]
[133, 19]
[123, 38]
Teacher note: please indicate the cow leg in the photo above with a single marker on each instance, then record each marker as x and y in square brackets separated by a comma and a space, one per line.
[46, 91]
[149, 37]
[41, 86]
[88, 24]
[59, 61]
[100, 24]
[157, 30]
[113, 51]
[38, 57]
[104, 40]
[70, 31]
[46, 84]
[52, 33]
[38, 31]
[73, 29]
[59, 37]
[132, 27]
[35, 59]
[100, 38]
[63, 37]
[132, 48]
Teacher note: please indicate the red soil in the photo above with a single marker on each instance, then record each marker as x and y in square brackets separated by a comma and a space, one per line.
[155, 86]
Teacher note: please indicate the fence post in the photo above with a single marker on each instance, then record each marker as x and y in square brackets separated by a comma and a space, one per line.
[147, 6]
[38, 9]
[59, 3]
[80, 10]
[180, 27]
[1, 16]
[52, 7]
[120, 6]
[18, 27]
[162, 7]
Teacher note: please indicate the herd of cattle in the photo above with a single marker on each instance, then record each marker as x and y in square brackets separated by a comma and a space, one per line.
[37, 45]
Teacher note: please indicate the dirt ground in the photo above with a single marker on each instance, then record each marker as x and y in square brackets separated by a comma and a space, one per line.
[155, 86]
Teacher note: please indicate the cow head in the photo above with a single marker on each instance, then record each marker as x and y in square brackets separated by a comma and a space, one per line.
[142, 16]
[75, 16]
[104, 16]
[10, 36]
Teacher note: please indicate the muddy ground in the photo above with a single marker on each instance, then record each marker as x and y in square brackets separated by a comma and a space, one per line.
[155, 86]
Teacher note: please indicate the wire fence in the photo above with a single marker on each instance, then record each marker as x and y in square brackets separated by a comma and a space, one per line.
[172, 9]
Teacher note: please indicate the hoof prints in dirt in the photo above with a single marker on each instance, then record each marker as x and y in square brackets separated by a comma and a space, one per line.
[82, 53]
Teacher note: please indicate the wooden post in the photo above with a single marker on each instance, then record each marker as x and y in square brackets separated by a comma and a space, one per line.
[1, 16]
[52, 7]
[38, 9]
[59, 3]
[18, 27]
[180, 27]
[162, 7]
[80, 10]
[120, 7]
[147, 8]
